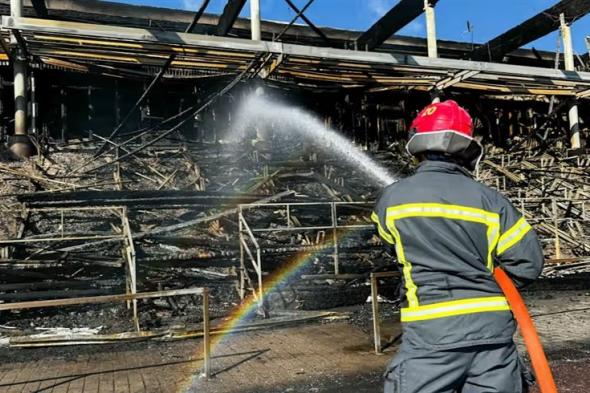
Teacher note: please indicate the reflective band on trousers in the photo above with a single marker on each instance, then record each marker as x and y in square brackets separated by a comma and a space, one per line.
[513, 235]
[453, 308]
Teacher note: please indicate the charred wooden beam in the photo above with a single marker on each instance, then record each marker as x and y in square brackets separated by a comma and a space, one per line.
[228, 17]
[188, 262]
[40, 8]
[90, 298]
[52, 284]
[53, 294]
[536, 27]
[396, 18]
[182, 225]
[155, 198]
[58, 261]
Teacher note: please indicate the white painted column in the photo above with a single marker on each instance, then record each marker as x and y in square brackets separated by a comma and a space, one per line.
[255, 19]
[430, 29]
[34, 107]
[568, 56]
[16, 10]
[20, 94]
[19, 145]
[568, 51]
[574, 121]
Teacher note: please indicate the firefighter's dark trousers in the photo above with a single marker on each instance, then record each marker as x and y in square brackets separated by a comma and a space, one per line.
[476, 369]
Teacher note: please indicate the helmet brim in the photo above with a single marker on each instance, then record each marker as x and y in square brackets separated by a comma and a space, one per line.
[447, 141]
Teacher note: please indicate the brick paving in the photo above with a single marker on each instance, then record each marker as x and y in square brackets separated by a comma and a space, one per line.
[334, 357]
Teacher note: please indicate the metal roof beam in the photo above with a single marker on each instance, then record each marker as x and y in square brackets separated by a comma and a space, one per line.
[228, 17]
[321, 54]
[40, 8]
[536, 27]
[316, 29]
[400, 15]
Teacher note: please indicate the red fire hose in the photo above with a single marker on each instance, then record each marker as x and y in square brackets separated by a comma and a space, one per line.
[528, 332]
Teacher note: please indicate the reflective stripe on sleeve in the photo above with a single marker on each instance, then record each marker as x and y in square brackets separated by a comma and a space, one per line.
[455, 307]
[442, 210]
[513, 235]
[411, 288]
[493, 234]
[382, 232]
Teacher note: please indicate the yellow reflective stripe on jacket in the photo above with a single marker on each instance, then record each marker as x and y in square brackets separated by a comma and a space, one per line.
[439, 210]
[454, 307]
[444, 211]
[513, 235]
[493, 234]
[411, 288]
[454, 212]
[382, 232]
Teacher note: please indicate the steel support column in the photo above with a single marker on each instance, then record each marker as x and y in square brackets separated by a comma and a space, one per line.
[255, 19]
[430, 28]
[20, 94]
[20, 144]
[34, 106]
[568, 55]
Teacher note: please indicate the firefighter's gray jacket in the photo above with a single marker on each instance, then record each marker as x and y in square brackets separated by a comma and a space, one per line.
[449, 233]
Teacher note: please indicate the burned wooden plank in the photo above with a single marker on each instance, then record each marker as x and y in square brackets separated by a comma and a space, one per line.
[40, 8]
[131, 198]
[50, 284]
[182, 225]
[51, 294]
[99, 299]
[186, 262]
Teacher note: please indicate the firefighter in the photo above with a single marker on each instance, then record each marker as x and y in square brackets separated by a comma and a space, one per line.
[449, 233]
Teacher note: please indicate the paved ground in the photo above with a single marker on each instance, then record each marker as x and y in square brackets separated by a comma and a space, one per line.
[313, 358]
[291, 357]
[333, 357]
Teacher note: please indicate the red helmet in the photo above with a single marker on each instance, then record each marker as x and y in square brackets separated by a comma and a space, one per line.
[447, 128]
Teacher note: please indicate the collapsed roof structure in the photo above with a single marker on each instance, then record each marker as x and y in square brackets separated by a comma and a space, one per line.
[111, 41]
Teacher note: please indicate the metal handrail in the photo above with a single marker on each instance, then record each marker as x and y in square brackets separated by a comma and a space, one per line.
[203, 292]
[246, 231]
[280, 229]
[245, 223]
[254, 204]
[256, 262]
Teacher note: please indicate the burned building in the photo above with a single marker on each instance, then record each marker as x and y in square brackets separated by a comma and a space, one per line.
[133, 167]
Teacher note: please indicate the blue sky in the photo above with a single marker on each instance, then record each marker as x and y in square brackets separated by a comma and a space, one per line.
[489, 18]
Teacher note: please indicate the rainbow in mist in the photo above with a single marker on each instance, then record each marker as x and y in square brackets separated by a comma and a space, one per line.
[280, 276]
